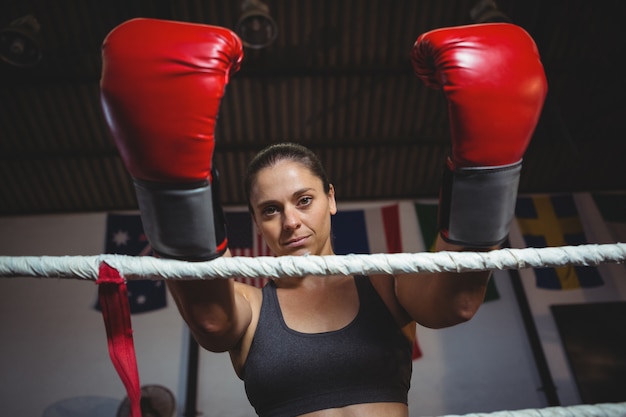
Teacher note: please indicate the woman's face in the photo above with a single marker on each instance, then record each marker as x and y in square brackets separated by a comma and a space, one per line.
[292, 211]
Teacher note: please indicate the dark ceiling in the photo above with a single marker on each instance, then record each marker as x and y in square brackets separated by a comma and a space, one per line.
[337, 79]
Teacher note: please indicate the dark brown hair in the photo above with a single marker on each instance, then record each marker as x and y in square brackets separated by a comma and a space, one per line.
[273, 154]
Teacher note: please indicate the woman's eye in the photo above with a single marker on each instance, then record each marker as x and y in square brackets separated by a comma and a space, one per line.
[305, 201]
[268, 211]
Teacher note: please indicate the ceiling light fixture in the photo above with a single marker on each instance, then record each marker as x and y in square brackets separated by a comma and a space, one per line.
[18, 42]
[255, 27]
[487, 11]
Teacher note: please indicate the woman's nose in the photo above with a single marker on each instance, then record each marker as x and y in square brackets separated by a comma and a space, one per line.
[291, 219]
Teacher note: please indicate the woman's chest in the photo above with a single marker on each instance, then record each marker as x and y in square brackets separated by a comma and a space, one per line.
[318, 311]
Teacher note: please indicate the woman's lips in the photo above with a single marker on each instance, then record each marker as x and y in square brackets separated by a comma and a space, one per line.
[296, 242]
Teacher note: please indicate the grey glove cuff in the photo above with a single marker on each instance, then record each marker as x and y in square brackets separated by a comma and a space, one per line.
[477, 205]
[182, 221]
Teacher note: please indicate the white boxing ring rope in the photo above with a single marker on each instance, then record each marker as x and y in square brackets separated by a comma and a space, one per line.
[146, 267]
[597, 410]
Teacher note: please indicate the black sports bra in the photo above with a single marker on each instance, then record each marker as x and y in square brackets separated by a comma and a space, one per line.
[288, 373]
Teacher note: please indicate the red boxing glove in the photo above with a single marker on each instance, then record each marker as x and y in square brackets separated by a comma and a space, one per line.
[493, 79]
[161, 87]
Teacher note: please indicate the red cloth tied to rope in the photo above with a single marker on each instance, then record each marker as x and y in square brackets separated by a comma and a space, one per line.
[113, 296]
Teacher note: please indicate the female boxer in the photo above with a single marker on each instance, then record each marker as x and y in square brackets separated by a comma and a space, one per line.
[311, 346]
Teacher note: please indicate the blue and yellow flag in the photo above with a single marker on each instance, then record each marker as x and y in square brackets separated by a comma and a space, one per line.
[550, 221]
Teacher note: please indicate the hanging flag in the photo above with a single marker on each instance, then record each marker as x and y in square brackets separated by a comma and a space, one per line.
[243, 240]
[125, 236]
[427, 217]
[612, 208]
[374, 230]
[551, 221]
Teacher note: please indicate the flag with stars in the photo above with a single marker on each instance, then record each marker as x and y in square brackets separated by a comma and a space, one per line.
[244, 241]
[549, 221]
[125, 236]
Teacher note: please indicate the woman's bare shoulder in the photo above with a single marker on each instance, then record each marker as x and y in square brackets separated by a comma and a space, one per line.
[250, 293]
